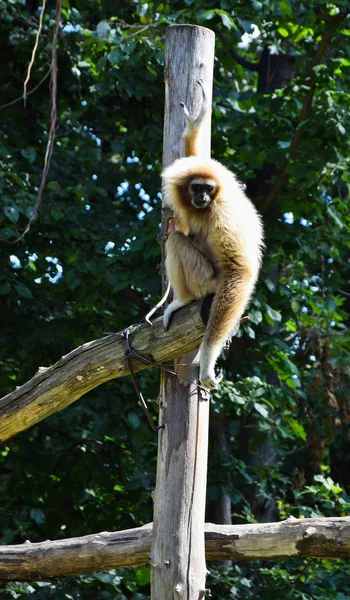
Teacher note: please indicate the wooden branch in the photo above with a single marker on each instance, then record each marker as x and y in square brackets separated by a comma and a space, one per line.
[94, 363]
[282, 181]
[309, 538]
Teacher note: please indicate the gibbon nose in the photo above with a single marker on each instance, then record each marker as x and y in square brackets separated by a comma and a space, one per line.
[200, 201]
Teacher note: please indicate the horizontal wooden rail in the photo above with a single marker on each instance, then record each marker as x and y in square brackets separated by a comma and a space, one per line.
[312, 538]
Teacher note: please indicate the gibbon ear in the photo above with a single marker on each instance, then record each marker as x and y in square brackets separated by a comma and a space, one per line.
[205, 308]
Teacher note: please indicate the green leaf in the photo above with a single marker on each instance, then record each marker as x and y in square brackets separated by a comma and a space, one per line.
[103, 30]
[270, 284]
[12, 213]
[143, 576]
[283, 32]
[4, 289]
[118, 146]
[15, 178]
[101, 64]
[297, 428]
[334, 214]
[120, 285]
[262, 410]
[255, 316]
[72, 280]
[115, 56]
[293, 383]
[76, 14]
[302, 34]
[38, 516]
[22, 290]
[250, 332]
[341, 128]
[295, 306]
[53, 185]
[286, 8]
[119, 488]
[227, 21]
[29, 153]
[134, 420]
[272, 315]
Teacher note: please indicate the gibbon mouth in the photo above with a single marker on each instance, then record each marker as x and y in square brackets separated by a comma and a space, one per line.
[200, 202]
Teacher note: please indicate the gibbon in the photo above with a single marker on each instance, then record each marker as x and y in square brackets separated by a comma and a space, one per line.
[216, 247]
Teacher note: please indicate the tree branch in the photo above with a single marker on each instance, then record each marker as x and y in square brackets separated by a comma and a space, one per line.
[282, 181]
[311, 538]
[94, 363]
[244, 62]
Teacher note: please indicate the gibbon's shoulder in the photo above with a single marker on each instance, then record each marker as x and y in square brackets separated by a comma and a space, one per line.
[190, 167]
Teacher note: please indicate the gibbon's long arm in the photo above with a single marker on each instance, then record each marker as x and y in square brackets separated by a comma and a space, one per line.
[193, 125]
[230, 300]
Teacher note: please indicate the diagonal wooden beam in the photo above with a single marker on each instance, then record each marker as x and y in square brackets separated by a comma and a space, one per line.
[53, 388]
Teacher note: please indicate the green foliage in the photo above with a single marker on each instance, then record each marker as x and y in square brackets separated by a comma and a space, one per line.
[89, 264]
[305, 580]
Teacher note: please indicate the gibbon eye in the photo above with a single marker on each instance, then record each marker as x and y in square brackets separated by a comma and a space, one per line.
[209, 188]
[195, 187]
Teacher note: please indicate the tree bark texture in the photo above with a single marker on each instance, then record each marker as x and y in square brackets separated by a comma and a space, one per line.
[293, 538]
[178, 552]
[94, 363]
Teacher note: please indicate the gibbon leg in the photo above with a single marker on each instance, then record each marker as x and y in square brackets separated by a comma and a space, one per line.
[230, 301]
[191, 274]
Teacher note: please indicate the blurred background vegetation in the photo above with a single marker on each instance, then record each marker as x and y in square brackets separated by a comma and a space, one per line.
[279, 438]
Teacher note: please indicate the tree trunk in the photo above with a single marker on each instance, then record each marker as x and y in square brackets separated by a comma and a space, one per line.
[178, 552]
[275, 71]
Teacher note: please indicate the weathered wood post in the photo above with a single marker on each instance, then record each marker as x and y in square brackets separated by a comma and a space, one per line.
[178, 553]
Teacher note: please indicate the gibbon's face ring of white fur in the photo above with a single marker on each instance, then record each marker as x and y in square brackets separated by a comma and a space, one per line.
[202, 191]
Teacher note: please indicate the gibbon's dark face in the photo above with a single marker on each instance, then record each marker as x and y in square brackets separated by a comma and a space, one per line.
[202, 192]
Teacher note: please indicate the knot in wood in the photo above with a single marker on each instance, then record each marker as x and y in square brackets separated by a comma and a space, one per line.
[309, 532]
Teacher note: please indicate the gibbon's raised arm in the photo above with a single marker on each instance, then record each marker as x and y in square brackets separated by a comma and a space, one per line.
[217, 245]
[191, 132]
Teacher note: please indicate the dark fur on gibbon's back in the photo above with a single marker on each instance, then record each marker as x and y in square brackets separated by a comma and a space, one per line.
[216, 248]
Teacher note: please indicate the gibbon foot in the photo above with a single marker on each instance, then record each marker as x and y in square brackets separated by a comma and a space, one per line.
[169, 312]
[209, 380]
[191, 122]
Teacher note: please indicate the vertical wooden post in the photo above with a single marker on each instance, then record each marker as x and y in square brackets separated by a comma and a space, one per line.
[178, 553]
